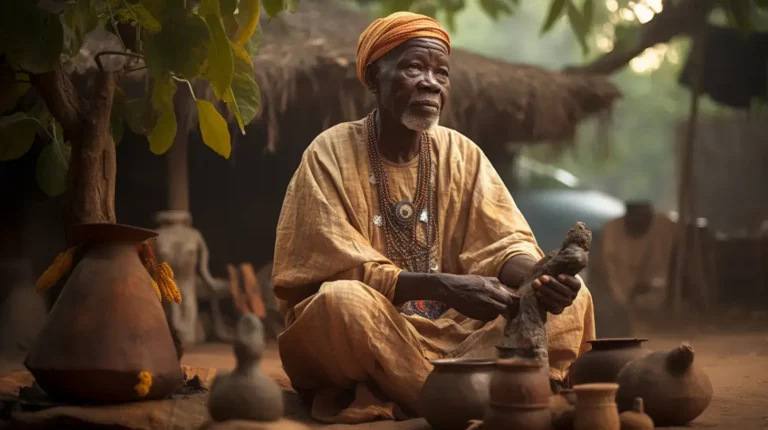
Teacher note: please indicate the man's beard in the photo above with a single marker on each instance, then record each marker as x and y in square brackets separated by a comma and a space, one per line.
[420, 122]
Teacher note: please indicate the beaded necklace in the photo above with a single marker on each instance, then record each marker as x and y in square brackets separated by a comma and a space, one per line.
[405, 246]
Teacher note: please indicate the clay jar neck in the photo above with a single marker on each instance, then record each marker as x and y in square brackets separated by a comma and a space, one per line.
[596, 395]
[109, 250]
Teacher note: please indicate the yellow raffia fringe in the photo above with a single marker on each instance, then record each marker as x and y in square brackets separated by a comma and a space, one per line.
[60, 266]
[166, 285]
[145, 383]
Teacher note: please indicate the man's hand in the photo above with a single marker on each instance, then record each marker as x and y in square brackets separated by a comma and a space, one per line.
[476, 297]
[555, 295]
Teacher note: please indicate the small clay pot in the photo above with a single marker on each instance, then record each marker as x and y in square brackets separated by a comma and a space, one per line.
[596, 407]
[519, 396]
[606, 358]
[636, 419]
[674, 390]
[455, 392]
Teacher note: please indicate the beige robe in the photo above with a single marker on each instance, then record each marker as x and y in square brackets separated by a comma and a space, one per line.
[347, 333]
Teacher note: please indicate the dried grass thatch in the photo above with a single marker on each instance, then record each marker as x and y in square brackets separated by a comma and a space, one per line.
[306, 71]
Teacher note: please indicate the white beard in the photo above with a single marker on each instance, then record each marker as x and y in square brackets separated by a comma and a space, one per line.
[419, 123]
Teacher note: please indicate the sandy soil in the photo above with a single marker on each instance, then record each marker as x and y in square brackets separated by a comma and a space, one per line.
[737, 364]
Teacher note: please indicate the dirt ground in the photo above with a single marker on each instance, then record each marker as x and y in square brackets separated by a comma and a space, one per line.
[736, 362]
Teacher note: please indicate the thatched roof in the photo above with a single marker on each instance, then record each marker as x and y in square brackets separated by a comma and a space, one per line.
[492, 102]
[305, 69]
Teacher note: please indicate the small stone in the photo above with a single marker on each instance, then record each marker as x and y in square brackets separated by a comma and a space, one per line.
[378, 221]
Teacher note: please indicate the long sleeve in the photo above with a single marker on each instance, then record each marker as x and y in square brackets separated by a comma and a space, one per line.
[496, 229]
[319, 235]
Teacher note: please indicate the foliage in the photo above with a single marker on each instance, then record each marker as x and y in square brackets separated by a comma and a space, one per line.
[581, 14]
[175, 41]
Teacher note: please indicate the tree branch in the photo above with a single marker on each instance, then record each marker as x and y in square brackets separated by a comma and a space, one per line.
[62, 100]
[677, 18]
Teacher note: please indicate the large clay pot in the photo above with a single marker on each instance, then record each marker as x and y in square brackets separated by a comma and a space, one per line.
[596, 407]
[674, 390]
[456, 392]
[606, 358]
[107, 325]
[520, 397]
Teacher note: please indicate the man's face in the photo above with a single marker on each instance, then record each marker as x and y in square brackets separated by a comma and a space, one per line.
[412, 81]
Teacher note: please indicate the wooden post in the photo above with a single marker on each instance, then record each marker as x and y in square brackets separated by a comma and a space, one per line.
[177, 158]
[686, 190]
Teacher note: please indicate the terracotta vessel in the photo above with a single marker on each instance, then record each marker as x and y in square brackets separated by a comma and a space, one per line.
[674, 390]
[636, 419]
[456, 392]
[107, 325]
[606, 358]
[246, 394]
[520, 397]
[563, 406]
[596, 407]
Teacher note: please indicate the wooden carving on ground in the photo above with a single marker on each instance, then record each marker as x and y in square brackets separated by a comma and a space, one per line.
[525, 334]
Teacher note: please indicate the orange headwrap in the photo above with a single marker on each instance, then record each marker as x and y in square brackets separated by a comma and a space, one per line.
[385, 34]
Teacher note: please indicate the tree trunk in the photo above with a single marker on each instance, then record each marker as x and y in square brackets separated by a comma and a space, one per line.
[92, 172]
[178, 158]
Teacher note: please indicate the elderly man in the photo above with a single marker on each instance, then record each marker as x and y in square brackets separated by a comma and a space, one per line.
[396, 240]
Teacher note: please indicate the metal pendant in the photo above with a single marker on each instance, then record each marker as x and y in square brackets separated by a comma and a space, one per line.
[404, 211]
[433, 267]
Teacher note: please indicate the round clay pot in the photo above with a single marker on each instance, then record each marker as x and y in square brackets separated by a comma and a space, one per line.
[456, 392]
[674, 390]
[606, 358]
[106, 326]
[636, 419]
[519, 396]
[596, 407]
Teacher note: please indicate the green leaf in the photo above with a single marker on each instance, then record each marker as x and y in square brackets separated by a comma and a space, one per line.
[79, 20]
[220, 63]
[555, 12]
[52, 166]
[146, 19]
[587, 15]
[274, 7]
[248, 18]
[228, 7]
[214, 129]
[140, 116]
[162, 135]
[626, 36]
[495, 8]
[117, 114]
[739, 15]
[243, 98]
[32, 38]
[180, 47]
[17, 133]
[577, 25]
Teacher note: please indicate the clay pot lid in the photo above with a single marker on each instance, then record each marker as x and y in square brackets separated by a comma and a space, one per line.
[107, 233]
[596, 386]
[463, 362]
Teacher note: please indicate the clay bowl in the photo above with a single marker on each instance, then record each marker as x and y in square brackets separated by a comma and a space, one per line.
[456, 392]
[606, 358]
